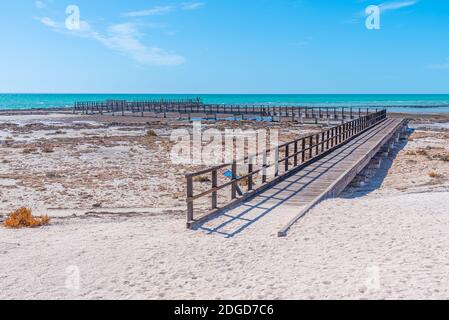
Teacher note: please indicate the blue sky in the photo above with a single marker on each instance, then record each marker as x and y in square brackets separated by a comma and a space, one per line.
[224, 46]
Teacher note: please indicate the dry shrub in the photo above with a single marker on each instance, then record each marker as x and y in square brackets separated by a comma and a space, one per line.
[29, 148]
[244, 182]
[9, 141]
[201, 179]
[422, 152]
[151, 133]
[47, 148]
[433, 174]
[444, 157]
[23, 218]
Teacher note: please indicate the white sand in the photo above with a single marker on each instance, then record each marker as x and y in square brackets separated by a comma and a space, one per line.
[390, 243]
[331, 254]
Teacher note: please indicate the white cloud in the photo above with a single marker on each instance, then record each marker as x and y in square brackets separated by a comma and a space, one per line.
[163, 10]
[386, 6]
[122, 38]
[156, 11]
[39, 4]
[47, 21]
[301, 43]
[192, 5]
[442, 66]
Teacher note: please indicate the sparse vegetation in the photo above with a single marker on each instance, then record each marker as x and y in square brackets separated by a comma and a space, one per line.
[9, 141]
[434, 175]
[422, 152]
[47, 148]
[23, 218]
[29, 148]
[151, 133]
[443, 157]
[202, 179]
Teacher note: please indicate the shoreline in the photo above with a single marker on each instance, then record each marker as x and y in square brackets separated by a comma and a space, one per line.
[69, 110]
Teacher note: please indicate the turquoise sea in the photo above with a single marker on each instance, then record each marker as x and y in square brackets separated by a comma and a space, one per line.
[419, 103]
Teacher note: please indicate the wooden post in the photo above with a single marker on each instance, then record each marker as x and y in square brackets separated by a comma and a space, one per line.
[234, 177]
[214, 185]
[322, 141]
[333, 137]
[189, 199]
[303, 151]
[311, 147]
[250, 171]
[287, 154]
[276, 164]
[296, 154]
[264, 168]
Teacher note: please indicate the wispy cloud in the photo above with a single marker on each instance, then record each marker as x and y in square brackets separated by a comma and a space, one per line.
[39, 4]
[442, 66]
[156, 11]
[192, 5]
[384, 7]
[395, 5]
[47, 21]
[301, 43]
[163, 10]
[123, 38]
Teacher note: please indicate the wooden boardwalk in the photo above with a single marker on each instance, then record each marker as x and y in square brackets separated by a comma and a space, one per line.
[194, 109]
[286, 202]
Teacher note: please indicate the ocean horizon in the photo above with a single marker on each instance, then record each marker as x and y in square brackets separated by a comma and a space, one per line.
[407, 103]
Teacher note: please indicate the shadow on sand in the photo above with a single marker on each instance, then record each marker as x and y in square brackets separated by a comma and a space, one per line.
[252, 210]
[376, 180]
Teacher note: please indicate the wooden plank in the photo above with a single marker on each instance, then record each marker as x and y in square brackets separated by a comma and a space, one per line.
[295, 194]
[355, 164]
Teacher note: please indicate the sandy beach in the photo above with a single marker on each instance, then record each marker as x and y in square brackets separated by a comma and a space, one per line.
[118, 221]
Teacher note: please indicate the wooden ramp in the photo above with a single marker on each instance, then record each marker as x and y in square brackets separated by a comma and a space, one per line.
[285, 203]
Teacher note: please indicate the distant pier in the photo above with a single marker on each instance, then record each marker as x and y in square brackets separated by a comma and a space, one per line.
[196, 109]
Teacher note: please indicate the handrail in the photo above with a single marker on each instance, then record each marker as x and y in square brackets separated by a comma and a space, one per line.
[192, 106]
[312, 148]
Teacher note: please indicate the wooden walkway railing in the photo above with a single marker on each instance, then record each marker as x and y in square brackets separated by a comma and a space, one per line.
[297, 155]
[197, 107]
